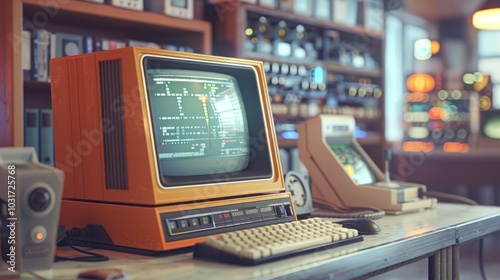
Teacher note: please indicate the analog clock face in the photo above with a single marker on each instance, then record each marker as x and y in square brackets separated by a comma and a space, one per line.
[354, 164]
[297, 190]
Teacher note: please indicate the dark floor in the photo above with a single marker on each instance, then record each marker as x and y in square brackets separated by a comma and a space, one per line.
[469, 263]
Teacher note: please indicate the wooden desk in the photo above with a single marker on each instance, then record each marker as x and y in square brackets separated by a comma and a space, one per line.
[435, 234]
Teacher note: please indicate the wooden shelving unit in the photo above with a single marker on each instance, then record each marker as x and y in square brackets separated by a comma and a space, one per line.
[10, 84]
[231, 23]
[78, 17]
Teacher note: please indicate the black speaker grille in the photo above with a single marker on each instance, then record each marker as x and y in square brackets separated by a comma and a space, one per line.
[113, 124]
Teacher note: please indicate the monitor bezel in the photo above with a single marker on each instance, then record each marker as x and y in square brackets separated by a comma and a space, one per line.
[182, 181]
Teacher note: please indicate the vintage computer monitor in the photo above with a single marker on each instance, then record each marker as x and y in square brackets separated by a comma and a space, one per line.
[162, 148]
[343, 175]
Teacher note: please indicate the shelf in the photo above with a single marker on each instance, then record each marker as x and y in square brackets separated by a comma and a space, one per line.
[112, 14]
[37, 85]
[371, 73]
[118, 20]
[360, 30]
[272, 58]
[75, 17]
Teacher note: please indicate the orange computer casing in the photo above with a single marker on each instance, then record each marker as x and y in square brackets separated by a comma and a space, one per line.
[124, 184]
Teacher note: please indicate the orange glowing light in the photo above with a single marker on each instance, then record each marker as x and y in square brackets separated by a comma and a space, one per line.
[417, 146]
[455, 147]
[435, 47]
[487, 19]
[203, 98]
[437, 113]
[482, 83]
[39, 236]
[417, 97]
[420, 83]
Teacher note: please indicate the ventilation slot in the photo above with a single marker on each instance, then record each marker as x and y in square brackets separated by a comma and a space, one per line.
[112, 119]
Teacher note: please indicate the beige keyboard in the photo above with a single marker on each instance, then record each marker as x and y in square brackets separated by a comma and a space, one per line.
[267, 243]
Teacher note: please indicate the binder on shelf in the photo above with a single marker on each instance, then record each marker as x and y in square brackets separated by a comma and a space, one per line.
[323, 10]
[26, 54]
[40, 57]
[345, 11]
[46, 152]
[88, 44]
[32, 129]
[371, 14]
[303, 7]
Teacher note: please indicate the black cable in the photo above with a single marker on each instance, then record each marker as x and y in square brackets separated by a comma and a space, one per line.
[92, 257]
[332, 211]
[451, 198]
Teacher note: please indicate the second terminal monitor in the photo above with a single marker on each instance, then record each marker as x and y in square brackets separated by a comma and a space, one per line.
[343, 176]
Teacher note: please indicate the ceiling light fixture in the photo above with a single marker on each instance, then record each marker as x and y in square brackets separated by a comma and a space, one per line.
[488, 16]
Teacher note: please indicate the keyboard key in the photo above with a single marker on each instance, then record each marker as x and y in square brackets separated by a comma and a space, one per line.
[289, 247]
[250, 254]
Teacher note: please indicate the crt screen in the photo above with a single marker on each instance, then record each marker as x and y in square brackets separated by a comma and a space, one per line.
[199, 122]
[353, 164]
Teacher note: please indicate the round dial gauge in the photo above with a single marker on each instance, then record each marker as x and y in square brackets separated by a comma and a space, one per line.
[297, 190]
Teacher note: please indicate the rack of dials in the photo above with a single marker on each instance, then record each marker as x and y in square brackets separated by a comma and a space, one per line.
[312, 67]
[448, 115]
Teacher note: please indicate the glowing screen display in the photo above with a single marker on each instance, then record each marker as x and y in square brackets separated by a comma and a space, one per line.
[199, 122]
[354, 164]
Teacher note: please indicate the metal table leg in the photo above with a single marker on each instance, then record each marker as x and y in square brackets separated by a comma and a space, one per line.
[444, 265]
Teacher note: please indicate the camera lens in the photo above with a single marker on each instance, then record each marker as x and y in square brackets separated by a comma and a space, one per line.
[39, 199]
